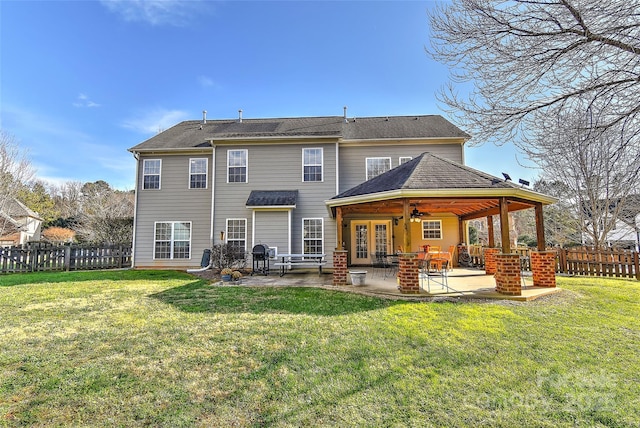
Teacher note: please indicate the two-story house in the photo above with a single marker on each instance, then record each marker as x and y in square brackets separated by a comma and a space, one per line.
[295, 184]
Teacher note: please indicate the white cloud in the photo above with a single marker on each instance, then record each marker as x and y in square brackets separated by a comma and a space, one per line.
[59, 153]
[83, 101]
[157, 12]
[207, 82]
[155, 121]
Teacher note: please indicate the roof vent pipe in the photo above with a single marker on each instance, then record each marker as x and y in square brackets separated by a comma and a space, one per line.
[240, 115]
[204, 117]
[345, 114]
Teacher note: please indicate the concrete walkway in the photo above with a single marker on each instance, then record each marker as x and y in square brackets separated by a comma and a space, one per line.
[462, 283]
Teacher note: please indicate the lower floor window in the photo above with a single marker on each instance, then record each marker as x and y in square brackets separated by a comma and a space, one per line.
[172, 240]
[312, 236]
[431, 229]
[237, 233]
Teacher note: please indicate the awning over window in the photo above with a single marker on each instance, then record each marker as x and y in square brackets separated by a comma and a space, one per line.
[272, 199]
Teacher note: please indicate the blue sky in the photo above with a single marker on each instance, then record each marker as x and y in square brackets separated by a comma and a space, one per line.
[82, 81]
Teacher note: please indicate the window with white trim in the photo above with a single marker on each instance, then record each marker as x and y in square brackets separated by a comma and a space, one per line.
[151, 174]
[431, 229]
[312, 160]
[237, 166]
[377, 166]
[172, 240]
[237, 233]
[312, 236]
[404, 159]
[198, 173]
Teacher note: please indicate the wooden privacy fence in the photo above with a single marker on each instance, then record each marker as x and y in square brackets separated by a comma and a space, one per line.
[611, 263]
[578, 261]
[36, 258]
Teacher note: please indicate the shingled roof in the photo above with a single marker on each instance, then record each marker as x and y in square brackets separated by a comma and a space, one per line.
[272, 198]
[428, 172]
[195, 134]
[435, 185]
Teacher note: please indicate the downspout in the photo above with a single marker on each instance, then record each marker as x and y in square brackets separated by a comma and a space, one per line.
[338, 224]
[136, 156]
[213, 185]
[213, 193]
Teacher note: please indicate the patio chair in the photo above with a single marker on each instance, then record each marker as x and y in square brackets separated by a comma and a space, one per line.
[452, 249]
[438, 277]
[379, 263]
[524, 261]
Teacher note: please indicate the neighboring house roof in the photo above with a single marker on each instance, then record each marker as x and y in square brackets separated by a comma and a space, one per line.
[272, 198]
[15, 209]
[197, 134]
[631, 210]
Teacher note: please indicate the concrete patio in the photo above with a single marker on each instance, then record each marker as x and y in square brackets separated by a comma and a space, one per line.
[462, 283]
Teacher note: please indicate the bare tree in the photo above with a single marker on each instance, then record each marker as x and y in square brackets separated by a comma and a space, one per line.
[530, 59]
[562, 225]
[598, 167]
[15, 173]
[106, 214]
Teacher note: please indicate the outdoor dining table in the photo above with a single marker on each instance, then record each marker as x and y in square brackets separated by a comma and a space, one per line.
[300, 260]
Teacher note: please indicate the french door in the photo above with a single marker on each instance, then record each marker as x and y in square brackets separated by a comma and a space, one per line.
[369, 237]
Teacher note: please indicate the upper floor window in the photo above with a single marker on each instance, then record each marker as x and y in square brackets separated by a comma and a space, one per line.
[311, 164]
[172, 240]
[237, 166]
[237, 233]
[377, 166]
[404, 159]
[431, 229]
[312, 236]
[198, 173]
[151, 173]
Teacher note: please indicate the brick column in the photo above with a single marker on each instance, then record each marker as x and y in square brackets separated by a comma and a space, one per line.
[508, 274]
[340, 267]
[543, 267]
[408, 269]
[490, 260]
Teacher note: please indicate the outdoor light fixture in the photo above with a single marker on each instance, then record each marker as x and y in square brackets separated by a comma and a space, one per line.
[415, 215]
[523, 182]
[506, 176]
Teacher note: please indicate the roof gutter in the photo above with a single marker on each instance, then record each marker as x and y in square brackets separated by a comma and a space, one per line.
[443, 193]
[273, 138]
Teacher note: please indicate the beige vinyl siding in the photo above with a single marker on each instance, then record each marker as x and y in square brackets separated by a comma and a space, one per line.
[277, 166]
[173, 202]
[353, 157]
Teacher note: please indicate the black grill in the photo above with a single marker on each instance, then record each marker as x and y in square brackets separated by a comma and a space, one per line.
[260, 253]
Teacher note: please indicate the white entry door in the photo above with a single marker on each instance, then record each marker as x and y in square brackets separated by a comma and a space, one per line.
[369, 237]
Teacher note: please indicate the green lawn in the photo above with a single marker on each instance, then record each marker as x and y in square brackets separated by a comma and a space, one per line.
[133, 348]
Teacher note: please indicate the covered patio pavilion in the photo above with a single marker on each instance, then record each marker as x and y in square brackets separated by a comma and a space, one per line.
[429, 185]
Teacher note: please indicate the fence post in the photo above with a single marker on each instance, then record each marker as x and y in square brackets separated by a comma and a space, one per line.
[636, 264]
[563, 260]
[67, 258]
[33, 258]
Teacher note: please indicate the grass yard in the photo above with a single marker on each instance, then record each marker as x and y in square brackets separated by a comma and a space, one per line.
[146, 348]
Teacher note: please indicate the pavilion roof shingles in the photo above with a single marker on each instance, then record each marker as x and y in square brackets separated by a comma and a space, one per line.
[427, 172]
